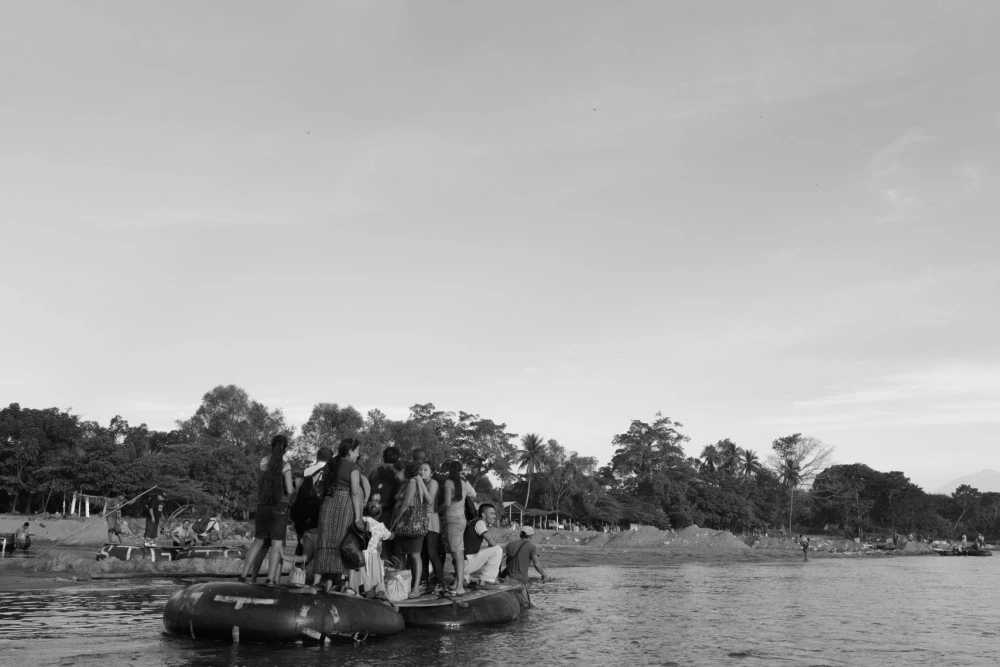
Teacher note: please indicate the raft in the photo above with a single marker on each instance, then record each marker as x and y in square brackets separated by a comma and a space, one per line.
[211, 552]
[135, 552]
[140, 552]
[10, 544]
[235, 612]
[967, 552]
[488, 607]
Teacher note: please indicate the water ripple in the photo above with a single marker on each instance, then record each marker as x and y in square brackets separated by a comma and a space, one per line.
[912, 611]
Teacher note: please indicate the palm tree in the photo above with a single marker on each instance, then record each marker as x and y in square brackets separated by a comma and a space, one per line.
[710, 458]
[729, 454]
[749, 464]
[530, 458]
[791, 476]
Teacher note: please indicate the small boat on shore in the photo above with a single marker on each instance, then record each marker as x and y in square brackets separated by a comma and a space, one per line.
[156, 554]
[8, 543]
[966, 552]
[477, 607]
[237, 612]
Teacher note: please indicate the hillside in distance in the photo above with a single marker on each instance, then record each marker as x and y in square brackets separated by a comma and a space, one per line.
[984, 480]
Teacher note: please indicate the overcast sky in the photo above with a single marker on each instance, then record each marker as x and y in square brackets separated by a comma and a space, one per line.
[758, 218]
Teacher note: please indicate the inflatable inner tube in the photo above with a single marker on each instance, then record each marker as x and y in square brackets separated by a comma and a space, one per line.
[236, 612]
[211, 552]
[487, 607]
[136, 552]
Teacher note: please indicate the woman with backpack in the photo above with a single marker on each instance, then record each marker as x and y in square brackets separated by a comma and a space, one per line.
[342, 507]
[274, 485]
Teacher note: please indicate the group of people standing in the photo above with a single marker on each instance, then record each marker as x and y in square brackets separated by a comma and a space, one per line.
[414, 516]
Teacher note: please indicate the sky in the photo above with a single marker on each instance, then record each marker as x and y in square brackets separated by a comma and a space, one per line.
[758, 218]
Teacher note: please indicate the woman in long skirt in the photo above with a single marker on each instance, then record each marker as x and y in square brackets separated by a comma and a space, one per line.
[342, 506]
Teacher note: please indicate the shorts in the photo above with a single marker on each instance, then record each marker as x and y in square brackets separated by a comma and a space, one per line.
[271, 521]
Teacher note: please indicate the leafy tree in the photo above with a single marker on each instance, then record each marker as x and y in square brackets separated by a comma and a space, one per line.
[480, 444]
[33, 441]
[798, 459]
[967, 498]
[329, 424]
[846, 492]
[649, 464]
[227, 413]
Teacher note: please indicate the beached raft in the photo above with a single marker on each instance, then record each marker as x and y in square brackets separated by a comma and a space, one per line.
[966, 552]
[236, 612]
[501, 605]
[139, 552]
[9, 545]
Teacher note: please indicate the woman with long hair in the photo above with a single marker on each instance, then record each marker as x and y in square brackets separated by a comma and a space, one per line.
[343, 500]
[274, 485]
[414, 493]
[430, 555]
[454, 522]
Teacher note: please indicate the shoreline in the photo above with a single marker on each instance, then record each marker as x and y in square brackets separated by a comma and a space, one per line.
[75, 564]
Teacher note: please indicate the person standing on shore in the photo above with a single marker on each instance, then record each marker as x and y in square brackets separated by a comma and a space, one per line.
[154, 512]
[22, 539]
[804, 543]
[113, 518]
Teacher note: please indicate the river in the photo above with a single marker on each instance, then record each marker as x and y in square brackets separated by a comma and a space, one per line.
[827, 611]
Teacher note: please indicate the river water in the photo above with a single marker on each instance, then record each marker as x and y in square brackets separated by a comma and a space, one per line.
[827, 611]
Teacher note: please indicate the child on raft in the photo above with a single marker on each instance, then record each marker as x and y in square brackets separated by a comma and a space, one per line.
[371, 577]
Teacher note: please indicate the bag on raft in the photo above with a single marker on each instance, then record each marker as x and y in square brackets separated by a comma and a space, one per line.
[352, 548]
[397, 584]
[414, 522]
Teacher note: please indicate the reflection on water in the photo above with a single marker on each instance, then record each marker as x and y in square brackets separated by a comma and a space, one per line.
[917, 611]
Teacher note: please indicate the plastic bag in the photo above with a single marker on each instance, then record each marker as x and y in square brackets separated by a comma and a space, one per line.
[397, 584]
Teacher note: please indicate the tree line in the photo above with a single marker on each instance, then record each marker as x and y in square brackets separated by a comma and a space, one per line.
[210, 461]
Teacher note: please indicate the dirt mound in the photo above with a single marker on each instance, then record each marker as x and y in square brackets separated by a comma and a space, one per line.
[597, 540]
[917, 548]
[706, 538]
[690, 537]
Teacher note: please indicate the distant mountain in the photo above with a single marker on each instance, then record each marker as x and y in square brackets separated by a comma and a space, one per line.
[984, 480]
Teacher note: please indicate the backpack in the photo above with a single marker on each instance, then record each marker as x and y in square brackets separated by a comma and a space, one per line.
[303, 510]
[200, 525]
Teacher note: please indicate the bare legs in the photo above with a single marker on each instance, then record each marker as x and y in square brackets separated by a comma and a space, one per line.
[459, 561]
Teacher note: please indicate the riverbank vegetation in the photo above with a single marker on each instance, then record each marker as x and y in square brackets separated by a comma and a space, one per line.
[209, 462]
